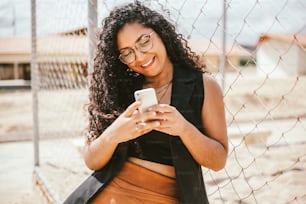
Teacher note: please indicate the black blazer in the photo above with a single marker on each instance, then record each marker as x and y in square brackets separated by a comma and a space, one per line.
[187, 96]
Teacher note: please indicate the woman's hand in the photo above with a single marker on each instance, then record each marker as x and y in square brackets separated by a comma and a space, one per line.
[131, 124]
[171, 120]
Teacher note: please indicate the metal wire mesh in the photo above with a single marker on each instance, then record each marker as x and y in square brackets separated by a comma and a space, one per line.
[263, 84]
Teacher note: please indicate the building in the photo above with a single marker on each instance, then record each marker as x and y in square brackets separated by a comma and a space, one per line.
[210, 53]
[59, 56]
[15, 57]
[281, 54]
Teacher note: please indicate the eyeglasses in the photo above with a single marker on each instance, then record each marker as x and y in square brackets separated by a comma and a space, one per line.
[143, 44]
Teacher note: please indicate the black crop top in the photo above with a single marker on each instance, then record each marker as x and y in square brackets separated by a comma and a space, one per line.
[153, 146]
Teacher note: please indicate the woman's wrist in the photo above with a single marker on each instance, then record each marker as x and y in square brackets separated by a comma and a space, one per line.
[187, 131]
[109, 138]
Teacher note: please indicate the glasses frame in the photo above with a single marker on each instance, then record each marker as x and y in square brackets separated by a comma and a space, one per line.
[137, 47]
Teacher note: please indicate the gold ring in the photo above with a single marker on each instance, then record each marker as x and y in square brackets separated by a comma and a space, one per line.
[141, 123]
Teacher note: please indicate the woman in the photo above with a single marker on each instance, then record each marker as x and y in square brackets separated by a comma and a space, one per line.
[153, 156]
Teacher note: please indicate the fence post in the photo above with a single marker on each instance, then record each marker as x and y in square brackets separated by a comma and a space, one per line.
[91, 32]
[223, 55]
[34, 83]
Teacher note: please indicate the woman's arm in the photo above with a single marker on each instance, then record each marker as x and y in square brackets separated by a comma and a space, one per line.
[99, 151]
[210, 151]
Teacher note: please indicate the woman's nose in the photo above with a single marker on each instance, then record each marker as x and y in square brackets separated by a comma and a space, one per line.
[139, 55]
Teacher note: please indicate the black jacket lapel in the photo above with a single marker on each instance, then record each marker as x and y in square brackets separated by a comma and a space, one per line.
[188, 171]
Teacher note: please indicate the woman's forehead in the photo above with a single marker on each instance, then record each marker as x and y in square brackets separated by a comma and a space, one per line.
[130, 33]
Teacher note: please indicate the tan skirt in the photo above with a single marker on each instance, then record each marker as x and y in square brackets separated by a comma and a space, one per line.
[136, 184]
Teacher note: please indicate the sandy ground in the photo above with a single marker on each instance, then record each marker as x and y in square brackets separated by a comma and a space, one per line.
[16, 174]
[267, 131]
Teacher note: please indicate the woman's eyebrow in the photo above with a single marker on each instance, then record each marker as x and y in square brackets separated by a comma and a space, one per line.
[140, 37]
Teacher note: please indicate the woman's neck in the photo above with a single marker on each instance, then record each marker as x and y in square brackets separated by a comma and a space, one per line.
[161, 80]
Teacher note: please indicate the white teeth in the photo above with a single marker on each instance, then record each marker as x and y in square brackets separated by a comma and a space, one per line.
[146, 64]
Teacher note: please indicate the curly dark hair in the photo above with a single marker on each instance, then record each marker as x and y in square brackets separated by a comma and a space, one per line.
[112, 82]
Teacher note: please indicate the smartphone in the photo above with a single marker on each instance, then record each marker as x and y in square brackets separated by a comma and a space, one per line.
[147, 98]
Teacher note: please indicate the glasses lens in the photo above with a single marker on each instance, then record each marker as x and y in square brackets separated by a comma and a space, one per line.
[145, 43]
[127, 56]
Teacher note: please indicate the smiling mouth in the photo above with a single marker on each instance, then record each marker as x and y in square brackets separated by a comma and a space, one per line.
[148, 64]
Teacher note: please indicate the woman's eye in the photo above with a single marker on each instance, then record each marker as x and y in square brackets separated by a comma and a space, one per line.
[144, 41]
[126, 53]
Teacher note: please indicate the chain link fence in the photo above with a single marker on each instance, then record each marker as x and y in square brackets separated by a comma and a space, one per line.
[255, 49]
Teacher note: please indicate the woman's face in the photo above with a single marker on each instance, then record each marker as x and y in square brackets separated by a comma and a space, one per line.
[142, 50]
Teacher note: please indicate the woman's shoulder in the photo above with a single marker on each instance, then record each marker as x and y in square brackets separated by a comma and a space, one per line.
[211, 85]
[209, 78]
